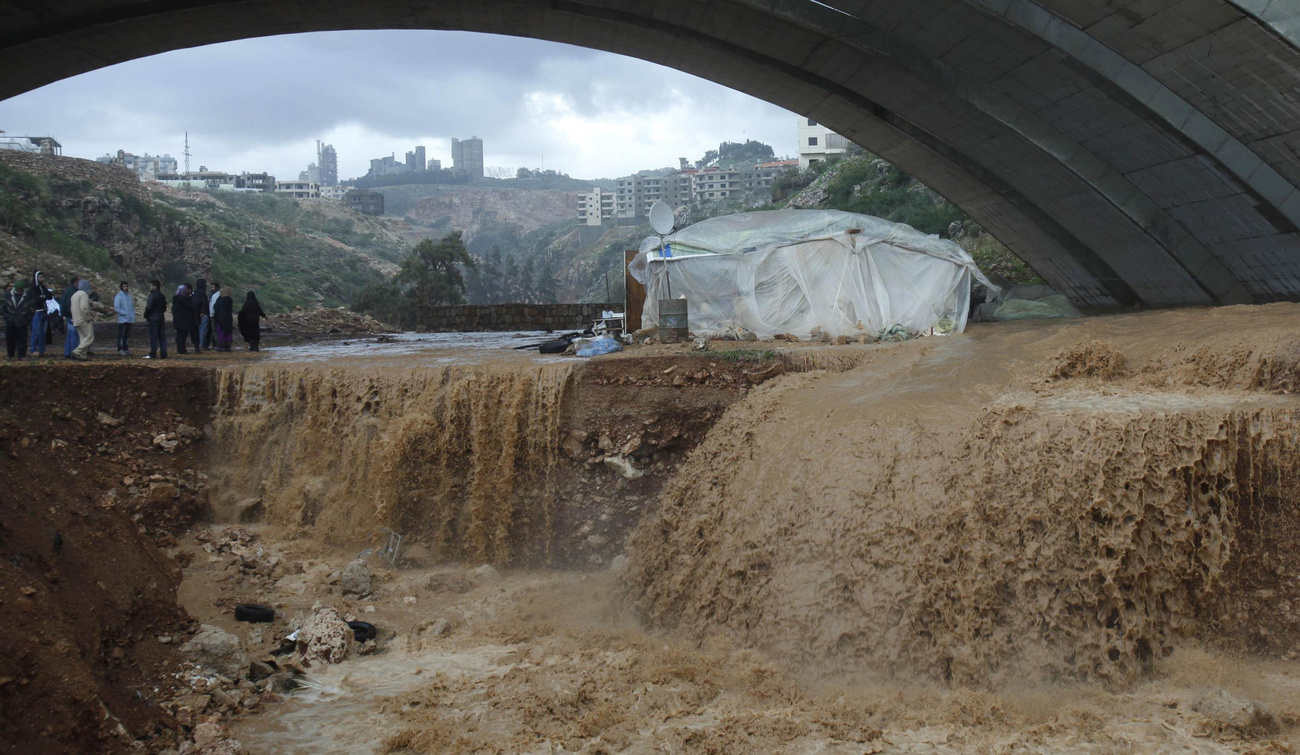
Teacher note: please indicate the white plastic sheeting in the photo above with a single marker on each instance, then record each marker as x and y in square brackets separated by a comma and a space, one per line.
[793, 271]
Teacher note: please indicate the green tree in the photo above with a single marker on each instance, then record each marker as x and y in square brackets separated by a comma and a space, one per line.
[433, 271]
[510, 290]
[388, 302]
[546, 287]
[526, 291]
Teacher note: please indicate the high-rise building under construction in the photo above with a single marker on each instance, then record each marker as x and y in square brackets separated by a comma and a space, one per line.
[328, 160]
[467, 156]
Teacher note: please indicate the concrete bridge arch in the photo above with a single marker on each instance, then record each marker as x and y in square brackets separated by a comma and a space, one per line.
[1134, 152]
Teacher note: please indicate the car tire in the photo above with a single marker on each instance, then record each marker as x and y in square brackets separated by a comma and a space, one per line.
[363, 630]
[254, 613]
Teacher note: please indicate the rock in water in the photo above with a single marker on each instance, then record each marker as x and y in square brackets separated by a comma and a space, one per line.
[1224, 710]
[325, 637]
[355, 578]
[218, 650]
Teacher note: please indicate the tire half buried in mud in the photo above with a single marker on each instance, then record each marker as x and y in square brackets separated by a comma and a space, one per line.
[253, 612]
[363, 631]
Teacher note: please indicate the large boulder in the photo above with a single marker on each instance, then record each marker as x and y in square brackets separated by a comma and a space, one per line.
[325, 637]
[216, 649]
[1225, 711]
[355, 579]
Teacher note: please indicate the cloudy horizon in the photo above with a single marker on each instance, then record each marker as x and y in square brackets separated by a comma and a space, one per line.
[260, 105]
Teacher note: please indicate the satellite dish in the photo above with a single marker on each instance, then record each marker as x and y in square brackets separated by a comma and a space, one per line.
[661, 218]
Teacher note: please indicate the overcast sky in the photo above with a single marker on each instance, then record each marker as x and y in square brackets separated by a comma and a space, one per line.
[260, 104]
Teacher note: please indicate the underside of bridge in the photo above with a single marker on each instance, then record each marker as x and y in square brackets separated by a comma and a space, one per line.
[1133, 152]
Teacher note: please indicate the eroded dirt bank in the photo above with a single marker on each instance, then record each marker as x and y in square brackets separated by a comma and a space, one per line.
[1034, 502]
[90, 503]
[510, 462]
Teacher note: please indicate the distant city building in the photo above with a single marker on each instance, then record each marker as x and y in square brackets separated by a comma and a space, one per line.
[818, 143]
[43, 145]
[334, 192]
[365, 201]
[311, 175]
[328, 160]
[264, 182]
[215, 180]
[298, 189]
[416, 161]
[467, 156]
[596, 206]
[146, 167]
[435, 165]
[717, 183]
[387, 166]
[634, 195]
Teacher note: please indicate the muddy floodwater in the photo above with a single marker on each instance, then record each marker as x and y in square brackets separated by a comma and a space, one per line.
[416, 348]
[1071, 536]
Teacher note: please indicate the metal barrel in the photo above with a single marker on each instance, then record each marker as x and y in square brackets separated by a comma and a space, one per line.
[673, 326]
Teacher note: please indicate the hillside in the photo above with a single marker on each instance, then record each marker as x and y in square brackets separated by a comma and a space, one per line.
[871, 186]
[66, 216]
[294, 252]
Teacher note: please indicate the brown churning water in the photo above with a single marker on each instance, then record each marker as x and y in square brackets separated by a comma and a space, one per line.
[459, 456]
[1040, 500]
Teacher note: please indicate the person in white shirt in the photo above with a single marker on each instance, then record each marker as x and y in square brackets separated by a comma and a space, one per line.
[83, 317]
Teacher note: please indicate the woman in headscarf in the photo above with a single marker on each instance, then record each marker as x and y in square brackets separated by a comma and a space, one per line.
[223, 313]
[248, 321]
[183, 318]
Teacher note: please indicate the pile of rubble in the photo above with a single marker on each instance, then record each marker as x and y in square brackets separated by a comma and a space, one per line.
[228, 675]
[339, 320]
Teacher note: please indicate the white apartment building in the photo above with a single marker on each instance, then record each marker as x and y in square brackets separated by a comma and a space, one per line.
[147, 167]
[818, 143]
[298, 189]
[596, 206]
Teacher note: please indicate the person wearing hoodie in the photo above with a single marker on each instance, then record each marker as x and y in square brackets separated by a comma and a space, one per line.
[39, 295]
[83, 318]
[223, 317]
[248, 321]
[205, 322]
[183, 316]
[155, 317]
[124, 306]
[70, 337]
[15, 308]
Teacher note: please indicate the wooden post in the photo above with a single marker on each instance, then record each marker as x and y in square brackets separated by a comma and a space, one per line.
[634, 298]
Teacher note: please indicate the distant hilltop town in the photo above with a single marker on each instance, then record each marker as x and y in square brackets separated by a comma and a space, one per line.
[749, 174]
[466, 161]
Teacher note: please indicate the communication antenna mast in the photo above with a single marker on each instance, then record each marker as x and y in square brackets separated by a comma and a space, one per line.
[187, 159]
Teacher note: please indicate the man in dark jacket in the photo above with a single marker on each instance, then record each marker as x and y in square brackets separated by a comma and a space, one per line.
[184, 317]
[70, 340]
[155, 316]
[39, 294]
[16, 310]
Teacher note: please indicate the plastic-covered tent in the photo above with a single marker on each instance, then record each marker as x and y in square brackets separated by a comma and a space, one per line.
[795, 271]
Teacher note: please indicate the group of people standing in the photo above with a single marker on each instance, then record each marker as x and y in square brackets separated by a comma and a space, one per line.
[32, 313]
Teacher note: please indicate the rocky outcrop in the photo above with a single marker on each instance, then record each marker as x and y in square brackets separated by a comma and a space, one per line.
[138, 238]
[74, 169]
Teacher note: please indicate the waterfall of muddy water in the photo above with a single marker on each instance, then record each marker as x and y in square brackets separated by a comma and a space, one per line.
[1024, 501]
[456, 456]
